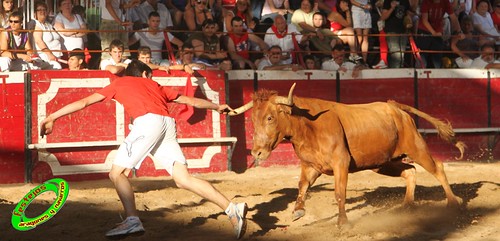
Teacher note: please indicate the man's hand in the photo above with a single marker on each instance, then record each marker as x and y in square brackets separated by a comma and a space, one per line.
[224, 109]
[46, 126]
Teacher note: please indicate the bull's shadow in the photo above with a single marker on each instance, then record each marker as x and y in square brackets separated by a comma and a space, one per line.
[385, 199]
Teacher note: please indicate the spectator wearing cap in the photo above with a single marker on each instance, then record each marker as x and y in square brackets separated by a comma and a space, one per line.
[206, 45]
[153, 37]
[76, 60]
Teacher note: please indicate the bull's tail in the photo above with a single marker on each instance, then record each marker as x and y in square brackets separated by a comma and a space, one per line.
[445, 130]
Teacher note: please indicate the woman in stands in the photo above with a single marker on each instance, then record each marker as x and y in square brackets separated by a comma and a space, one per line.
[70, 26]
[242, 9]
[341, 25]
[6, 8]
[47, 40]
[195, 15]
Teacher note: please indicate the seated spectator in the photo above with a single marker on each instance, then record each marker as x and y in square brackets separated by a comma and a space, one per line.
[341, 25]
[76, 60]
[185, 61]
[238, 45]
[47, 40]
[467, 48]
[15, 45]
[153, 37]
[280, 33]
[339, 63]
[176, 8]
[272, 8]
[242, 9]
[483, 22]
[207, 46]
[487, 59]
[272, 61]
[140, 14]
[309, 22]
[144, 55]
[495, 15]
[195, 15]
[6, 8]
[310, 62]
[116, 64]
[70, 26]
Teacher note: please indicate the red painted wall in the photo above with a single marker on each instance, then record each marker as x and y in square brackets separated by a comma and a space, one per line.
[460, 96]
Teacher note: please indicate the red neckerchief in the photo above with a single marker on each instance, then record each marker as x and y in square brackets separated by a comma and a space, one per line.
[278, 34]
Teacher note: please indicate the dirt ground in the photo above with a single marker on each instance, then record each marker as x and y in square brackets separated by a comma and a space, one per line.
[373, 208]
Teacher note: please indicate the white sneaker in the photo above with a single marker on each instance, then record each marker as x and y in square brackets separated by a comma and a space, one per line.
[237, 213]
[131, 225]
[355, 58]
[380, 65]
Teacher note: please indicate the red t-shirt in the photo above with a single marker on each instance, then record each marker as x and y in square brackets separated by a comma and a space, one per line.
[140, 96]
[241, 45]
[496, 20]
[435, 12]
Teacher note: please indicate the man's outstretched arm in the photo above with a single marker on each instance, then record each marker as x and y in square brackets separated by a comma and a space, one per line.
[202, 104]
[48, 123]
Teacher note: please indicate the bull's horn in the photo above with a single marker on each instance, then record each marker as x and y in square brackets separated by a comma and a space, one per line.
[241, 109]
[286, 101]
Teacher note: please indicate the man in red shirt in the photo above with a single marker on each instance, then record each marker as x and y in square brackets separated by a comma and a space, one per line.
[430, 30]
[153, 132]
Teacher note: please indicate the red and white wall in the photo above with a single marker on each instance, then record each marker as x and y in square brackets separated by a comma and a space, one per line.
[467, 98]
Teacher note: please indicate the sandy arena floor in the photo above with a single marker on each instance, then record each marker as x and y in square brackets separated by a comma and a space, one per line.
[373, 208]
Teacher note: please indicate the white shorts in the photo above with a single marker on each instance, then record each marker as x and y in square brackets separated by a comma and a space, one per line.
[361, 19]
[155, 134]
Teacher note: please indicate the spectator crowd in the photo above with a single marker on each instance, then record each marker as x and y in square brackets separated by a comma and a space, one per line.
[335, 35]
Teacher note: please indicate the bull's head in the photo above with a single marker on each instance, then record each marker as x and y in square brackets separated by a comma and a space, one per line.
[269, 120]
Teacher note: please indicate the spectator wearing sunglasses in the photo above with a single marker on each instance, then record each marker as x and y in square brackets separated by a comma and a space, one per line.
[197, 14]
[16, 46]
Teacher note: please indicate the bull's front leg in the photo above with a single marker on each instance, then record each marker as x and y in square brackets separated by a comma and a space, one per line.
[308, 176]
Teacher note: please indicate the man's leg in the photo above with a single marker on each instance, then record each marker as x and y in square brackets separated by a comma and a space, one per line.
[201, 187]
[119, 176]
[236, 212]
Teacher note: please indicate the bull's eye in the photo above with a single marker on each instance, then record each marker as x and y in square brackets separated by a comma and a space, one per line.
[269, 118]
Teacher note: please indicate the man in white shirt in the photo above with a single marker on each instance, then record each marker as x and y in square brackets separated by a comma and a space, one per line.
[338, 63]
[280, 33]
[153, 37]
[487, 59]
[272, 61]
[116, 64]
[141, 13]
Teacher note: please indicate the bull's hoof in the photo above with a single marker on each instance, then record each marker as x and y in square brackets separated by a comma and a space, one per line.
[455, 203]
[298, 214]
[342, 222]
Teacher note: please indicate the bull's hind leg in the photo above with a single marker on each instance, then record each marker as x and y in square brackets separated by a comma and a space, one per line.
[424, 159]
[308, 176]
[406, 171]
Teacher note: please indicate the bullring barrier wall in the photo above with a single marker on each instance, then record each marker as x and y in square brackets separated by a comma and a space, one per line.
[83, 144]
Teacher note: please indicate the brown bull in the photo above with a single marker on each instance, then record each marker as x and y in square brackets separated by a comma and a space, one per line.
[334, 138]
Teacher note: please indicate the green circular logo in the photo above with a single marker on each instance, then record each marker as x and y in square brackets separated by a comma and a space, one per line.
[21, 222]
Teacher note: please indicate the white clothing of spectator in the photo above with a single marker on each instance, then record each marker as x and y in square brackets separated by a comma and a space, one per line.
[281, 34]
[68, 25]
[141, 13]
